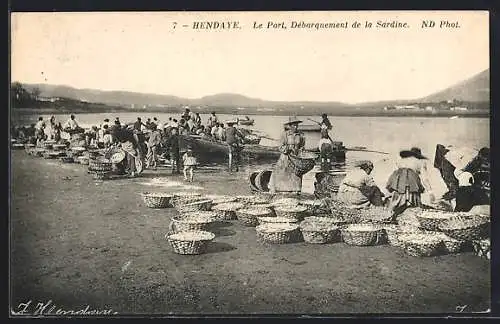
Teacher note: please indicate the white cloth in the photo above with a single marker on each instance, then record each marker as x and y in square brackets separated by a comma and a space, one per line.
[71, 124]
[40, 124]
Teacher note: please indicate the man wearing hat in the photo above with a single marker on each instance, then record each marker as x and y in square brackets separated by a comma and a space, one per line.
[292, 141]
[174, 150]
[233, 139]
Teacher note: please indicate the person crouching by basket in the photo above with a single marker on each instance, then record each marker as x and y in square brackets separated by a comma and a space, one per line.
[130, 145]
[152, 144]
[358, 189]
[283, 179]
[409, 181]
[189, 162]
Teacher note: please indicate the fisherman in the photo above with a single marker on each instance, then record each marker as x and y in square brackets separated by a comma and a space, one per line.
[138, 124]
[292, 142]
[40, 131]
[153, 143]
[325, 152]
[409, 181]
[71, 125]
[358, 189]
[212, 120]
[233, 139]
[186, 114]
[197, 120]
[174, 149]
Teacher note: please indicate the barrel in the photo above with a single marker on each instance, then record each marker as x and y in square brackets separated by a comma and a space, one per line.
[262, 180]
[251, 179]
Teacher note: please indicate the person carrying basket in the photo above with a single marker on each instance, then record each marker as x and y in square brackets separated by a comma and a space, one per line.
[284, 178]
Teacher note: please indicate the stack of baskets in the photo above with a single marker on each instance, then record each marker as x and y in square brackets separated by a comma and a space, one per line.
[466, 227]
[319, 230]
[190, 242]
[157, 199]
[227, 211]
[341, 211]
[59, 147]
[249, 216]
[100, 169]
[276, 233]
[84, 160]
[194, 221]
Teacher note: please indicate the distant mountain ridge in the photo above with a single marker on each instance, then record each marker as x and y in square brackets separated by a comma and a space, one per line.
[474, 89]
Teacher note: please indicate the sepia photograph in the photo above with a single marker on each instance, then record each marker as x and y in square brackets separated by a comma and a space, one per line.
[226, 163]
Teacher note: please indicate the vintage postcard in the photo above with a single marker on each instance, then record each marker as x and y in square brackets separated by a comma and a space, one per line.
[232, 163]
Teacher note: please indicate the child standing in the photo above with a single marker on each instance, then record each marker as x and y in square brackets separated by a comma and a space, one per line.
[189, 162]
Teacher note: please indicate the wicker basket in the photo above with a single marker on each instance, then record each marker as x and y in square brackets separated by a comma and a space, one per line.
[157, 199]
[430, 220]
[190, 243]
[100, 165]
[288, 211]
[101, 175]
[341, 211]
[277, 233]
[59, 147]
[29, 146]
[422, 245]
[302, 163]
[314, 206]
[67, 159]
[193, 206]
[220, 199]
[275, 220]
[466, 228]
[376, 215]
[360, 234]
[227, 211]
[191, 222]
[83, 160]
[180, 198]
[254, 200]
[280, 201]
[317, 231]
[249, 216]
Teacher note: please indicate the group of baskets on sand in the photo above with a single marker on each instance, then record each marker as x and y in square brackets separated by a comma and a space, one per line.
[98, 166]
[287, 220]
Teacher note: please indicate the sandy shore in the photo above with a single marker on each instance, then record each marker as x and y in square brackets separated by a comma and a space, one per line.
[79, 242]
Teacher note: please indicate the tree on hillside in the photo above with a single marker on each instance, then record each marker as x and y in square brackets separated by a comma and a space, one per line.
[20, 97]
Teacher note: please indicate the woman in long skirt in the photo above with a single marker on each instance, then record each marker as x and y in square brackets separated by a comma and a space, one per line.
[283, 178]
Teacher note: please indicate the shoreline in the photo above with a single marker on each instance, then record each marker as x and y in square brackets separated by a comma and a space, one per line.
[441, 114]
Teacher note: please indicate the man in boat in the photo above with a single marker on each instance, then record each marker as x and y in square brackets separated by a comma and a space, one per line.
[234, 140]
[72, 126]
[325, 124]
[283, 178]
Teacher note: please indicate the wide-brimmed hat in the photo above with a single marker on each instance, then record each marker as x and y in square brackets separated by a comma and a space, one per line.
[414, 151]
[364, 164]
[293, 120]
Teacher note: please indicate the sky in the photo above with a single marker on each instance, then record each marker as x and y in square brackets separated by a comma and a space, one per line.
[143, 52]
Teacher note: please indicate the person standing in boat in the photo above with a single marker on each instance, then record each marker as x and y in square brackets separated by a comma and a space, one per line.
[283, 178]
[233, 139]
[325, 124]
[409, 181]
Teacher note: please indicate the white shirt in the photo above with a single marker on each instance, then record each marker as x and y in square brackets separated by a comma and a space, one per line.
[40, 124]
[71, 124]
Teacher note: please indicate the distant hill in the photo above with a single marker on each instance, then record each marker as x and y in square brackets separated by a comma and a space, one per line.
[474, 89]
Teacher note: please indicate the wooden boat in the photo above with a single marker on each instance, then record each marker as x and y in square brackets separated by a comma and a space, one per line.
[208, 150]
[246, 122]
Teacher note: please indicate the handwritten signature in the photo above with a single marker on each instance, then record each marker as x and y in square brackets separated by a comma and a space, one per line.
[48, 308]
[461, 309]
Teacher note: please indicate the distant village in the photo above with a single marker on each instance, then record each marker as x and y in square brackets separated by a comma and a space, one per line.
[451, 105]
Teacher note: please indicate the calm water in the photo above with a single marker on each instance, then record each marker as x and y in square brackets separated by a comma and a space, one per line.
[387, 134]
